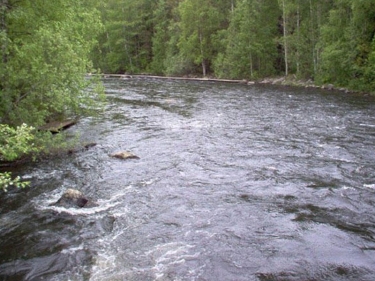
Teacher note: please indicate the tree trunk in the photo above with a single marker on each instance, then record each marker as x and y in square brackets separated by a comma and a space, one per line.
[285, 40]
[312, 27]
[126, 47]
[298, 39]
[251, 66]
[204, 66]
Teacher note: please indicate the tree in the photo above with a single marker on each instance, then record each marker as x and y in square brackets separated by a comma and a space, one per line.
[199, 21]
[250, 47]
[126, 43]
[347, 45]
[45, 48]
[162, 21]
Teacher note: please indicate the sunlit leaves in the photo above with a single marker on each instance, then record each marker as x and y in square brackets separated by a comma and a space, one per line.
[15, 142]
[7, 181]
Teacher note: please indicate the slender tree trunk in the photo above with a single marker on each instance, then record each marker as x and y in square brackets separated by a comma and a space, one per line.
[298, 38]
[109, 45]
[126, 46]
[204, 66]
[285, 40]
[251, 66]
[312, 27]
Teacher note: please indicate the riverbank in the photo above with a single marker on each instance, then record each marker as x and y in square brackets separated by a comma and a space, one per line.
[282, 81]
[292, 81]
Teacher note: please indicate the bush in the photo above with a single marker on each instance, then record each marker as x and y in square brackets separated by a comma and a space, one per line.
[14, 144]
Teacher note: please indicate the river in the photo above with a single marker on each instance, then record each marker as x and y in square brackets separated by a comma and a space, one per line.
[234, 182]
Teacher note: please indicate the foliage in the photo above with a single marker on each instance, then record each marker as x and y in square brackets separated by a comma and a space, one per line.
[250, 47]
[329, 41]
[125, 45]
[45, 47]
[162, 18]
[6, 181]
[45, 57]
[16, 142]
[199, 20]
[346, 43]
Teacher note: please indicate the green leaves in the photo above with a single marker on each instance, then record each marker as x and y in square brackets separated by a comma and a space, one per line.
[45, 47]
[48, 51]
[7, 181]
[16, 142]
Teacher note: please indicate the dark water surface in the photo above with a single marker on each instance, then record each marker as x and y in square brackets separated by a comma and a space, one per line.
[234, 182]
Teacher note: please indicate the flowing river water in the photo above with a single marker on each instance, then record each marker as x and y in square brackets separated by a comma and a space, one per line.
[234, 182]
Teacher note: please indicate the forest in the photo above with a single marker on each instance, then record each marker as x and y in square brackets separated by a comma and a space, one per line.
[49, 47]
[327, 41]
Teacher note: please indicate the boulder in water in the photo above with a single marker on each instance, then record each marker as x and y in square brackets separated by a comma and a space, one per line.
[124, 155]
[74, 198]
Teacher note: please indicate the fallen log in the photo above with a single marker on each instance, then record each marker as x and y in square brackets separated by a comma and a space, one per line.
[204, 79]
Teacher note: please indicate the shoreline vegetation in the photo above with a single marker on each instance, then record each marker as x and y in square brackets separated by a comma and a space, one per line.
[281, 81]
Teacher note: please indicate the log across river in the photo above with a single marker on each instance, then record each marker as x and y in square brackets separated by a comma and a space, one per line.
[233, 182]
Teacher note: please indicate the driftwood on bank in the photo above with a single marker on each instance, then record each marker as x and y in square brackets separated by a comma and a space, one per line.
[57, 126]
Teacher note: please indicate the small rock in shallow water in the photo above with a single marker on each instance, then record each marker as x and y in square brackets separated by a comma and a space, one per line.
[124, 155]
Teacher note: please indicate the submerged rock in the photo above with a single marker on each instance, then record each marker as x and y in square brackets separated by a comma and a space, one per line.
[124, 155]
[74, 198]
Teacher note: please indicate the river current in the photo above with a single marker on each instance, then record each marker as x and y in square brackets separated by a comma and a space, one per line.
[234, 182]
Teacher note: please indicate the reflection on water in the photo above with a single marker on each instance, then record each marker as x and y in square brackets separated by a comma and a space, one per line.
[234, 182]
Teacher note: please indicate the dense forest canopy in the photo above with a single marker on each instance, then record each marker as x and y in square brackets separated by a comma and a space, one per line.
[328, 41]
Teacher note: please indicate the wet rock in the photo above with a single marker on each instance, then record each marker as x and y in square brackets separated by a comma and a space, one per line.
[79, 149]
[74, 198]
[124, 155]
